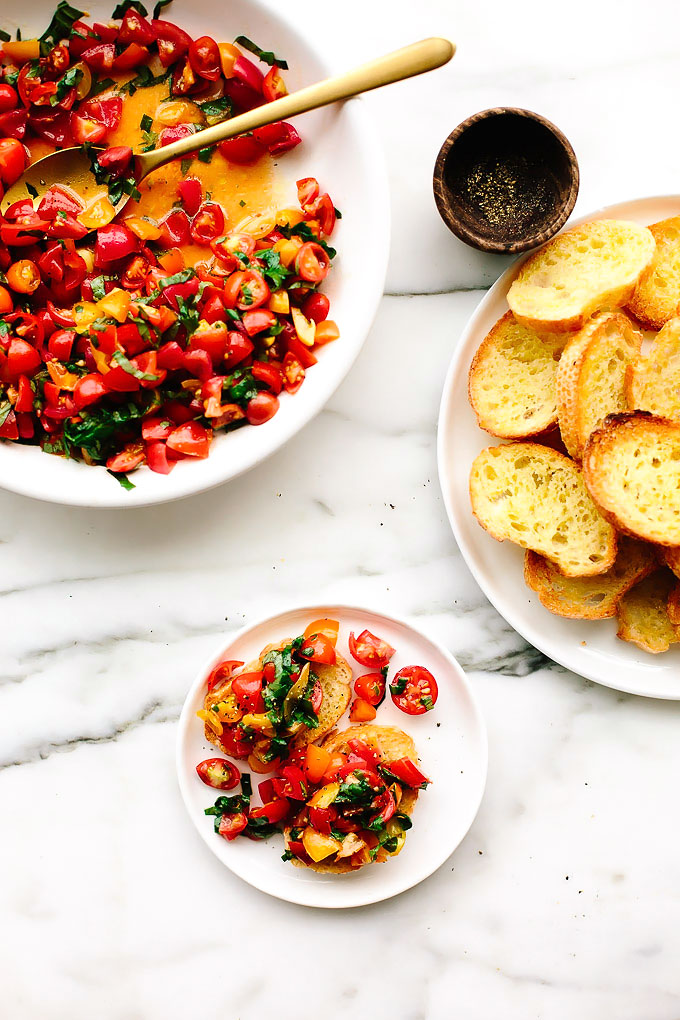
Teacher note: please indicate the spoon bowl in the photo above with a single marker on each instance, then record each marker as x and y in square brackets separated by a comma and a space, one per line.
[70, 168]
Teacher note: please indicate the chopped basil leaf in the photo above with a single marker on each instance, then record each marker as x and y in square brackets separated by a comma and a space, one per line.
[120, 9]
[217, 110]
[144, 80]
[119, 359]
[122, 480]
[4, 36]
[146, 122]
[266, 56]
[303, 230]
[242, 203]
[5, 409]
[185, 164]
[399, 685]
[205, 155]
[159, 7]
[246, 785]
[427, 702]
[67, 82]
[273, 269]
[61, 24]
[33, 192]
[149, 138]
[101, 86]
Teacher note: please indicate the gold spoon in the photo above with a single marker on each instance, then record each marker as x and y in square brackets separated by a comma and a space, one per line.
[72, 167]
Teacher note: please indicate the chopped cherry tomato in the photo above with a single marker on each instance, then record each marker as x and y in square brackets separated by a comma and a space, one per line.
[408, 772]
[24, 402]
[366, 752]
[308, 190]
[312, 262]
[183, 78]
[247, 689]
[291, 783]
[293, 373]
[318, 648]
[89, 389]
[131, 57]
[329, 628]
[100, 57]
[191, 193]
[175, 229]
[274, 811]
[13, 123]
[269, 374]
[9, 100]
[232, 825]
[173, 42]
[22, 359]
[279, 138]
[245, 71]
[317, 760]
[371, 687]
[208, 223]
[61, 343]
[6, 302]
[224, 671]
[12, 160]
[369, 650]
[273, 86]
[261, 408]
[218, 773]
[127, 460]
[204, 57]
[114, 241]
[244, 150]
[323, 210]
[136, 29]
[258, 321]
[361, 711]
[23, 277]
[239, 347]
[191, 439]
[414, 690]
[86, 129]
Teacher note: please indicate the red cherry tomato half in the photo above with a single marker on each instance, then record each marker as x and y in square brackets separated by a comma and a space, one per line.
[317, 648]
[312, 262]
[274, 811]
[244, 150]
[191, 439]
[218, 773]
[269, 374]
[173, 42]
[261, 408]
[247, 689]
[273, 86]
[293, 373]
[232, 825]
[370, 650]
[127, 460]
[89, 389]
[204, 57]
[371, 688]
[414, 690]
[208, 223]
[252, 290]
[308, 190]
[408, 772]
[12, 160]
[222, 672]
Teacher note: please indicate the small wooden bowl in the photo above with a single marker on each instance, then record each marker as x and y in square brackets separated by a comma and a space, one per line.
[505, 180]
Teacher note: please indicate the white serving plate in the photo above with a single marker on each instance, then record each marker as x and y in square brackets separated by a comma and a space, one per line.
[589, 648]
[339, 147]
[451, 741]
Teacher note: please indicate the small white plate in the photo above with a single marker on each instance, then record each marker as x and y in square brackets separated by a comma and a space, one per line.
[590, 648]
[451, 742]
[341, 147]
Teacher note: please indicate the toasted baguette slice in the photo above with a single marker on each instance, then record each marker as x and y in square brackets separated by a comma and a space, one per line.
[643, 614]
[335, 682]
[536, 497]
[589, 598]
[653, 379]
[512, 380]
[657, 295]
[631, 466]
[591, 376]
[671, 558]
[391, 743]
[593, 266]
[673, 606]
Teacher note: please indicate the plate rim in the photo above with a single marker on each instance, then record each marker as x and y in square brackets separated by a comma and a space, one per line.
[457, 364]
[362, 123]
[283, 609]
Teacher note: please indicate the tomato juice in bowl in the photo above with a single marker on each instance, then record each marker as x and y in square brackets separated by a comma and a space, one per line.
[181, 213]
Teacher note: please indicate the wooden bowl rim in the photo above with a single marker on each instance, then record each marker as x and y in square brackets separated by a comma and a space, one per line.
[442, 192]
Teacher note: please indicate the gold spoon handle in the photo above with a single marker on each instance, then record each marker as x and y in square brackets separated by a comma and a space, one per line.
[415, 59]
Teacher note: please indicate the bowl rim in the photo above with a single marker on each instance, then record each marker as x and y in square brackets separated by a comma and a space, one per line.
[362, 127]
[442, 191]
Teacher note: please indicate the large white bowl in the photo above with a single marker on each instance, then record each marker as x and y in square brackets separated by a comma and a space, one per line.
[588, 647]
[340, 148]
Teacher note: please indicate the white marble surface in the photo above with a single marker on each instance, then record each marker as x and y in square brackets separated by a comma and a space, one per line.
[563, 900]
